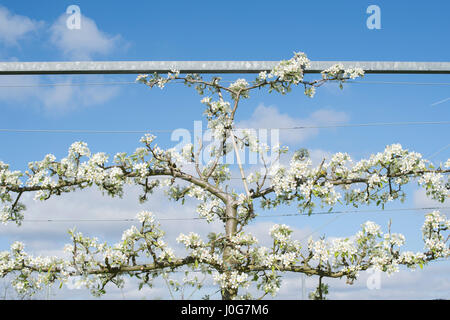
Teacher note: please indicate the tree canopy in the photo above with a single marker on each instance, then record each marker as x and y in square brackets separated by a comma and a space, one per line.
[234, 258]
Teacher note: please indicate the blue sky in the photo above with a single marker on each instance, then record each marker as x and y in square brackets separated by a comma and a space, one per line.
[235, 30]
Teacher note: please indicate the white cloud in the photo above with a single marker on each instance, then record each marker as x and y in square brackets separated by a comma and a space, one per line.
[92, 205]
[82, 43]
[421, 199]
[70, 97]
[31, 90]
[271, 118]
[432, 282]
[15, 27]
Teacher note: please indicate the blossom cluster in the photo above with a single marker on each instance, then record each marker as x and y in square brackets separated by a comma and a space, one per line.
[198, 249]
[89, 260]
[156, 79]
[338, 72]
[394, 167]
[432, 230]
[218, 117]
[81, 169]
[239, 87]
[233, 280]
[370, 247]
[291, 70]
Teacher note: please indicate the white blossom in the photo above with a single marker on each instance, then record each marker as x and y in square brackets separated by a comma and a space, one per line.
[145, 216]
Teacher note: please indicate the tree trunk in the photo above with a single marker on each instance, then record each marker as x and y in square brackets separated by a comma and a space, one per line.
[229, 263]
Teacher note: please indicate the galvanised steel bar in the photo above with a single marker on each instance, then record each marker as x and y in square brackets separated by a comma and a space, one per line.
[135, 67]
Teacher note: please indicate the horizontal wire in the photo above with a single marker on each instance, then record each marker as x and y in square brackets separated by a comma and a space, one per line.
[259, 216]
[357, 211]
[374, 124]
[106, 220]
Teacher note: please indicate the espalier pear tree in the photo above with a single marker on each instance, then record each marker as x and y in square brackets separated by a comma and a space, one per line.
[233, 257]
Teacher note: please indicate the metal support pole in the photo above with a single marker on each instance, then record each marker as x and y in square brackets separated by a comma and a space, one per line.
[136, 67]
[303, 287]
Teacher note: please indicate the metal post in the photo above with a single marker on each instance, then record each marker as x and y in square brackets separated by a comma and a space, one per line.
[303, 287]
